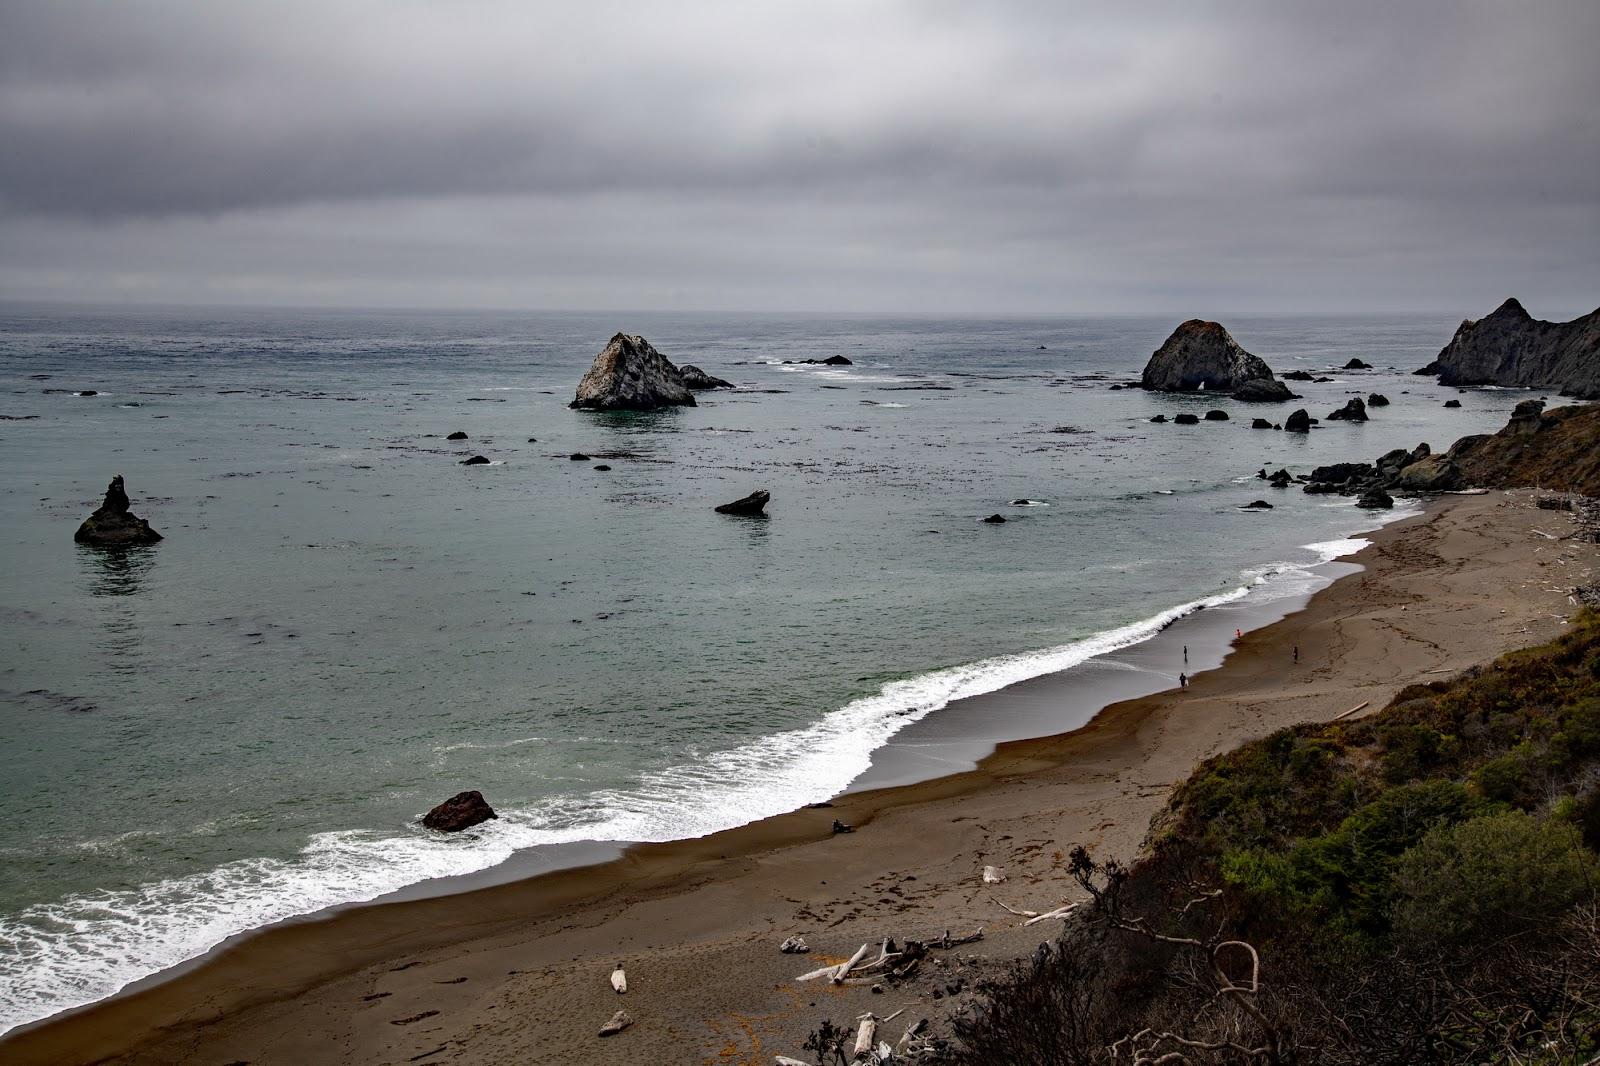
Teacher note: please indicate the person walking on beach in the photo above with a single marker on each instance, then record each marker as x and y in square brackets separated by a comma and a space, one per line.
[1186, 653]
[1183, 680]
[1297, 653]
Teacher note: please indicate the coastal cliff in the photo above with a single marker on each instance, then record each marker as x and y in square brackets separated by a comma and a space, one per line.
[1510, 347]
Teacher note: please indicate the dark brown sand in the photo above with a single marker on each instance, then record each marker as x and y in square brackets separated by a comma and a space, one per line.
[519, 972]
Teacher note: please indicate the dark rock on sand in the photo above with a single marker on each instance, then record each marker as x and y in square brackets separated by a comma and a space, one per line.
[1353, 411]
[457, 435]
[476, 460]
[1511, 347]
[1299, 422]
[753, 504]
[461, 811]
[1216, 416]
[630, 375]
[1357, 364]
[1375, 499]
[1201, 356]
[113, 525]
[1186, 420]
[1452, 403]
[1377, 399]
[698, 380]
[1260, 423]
[996, 519]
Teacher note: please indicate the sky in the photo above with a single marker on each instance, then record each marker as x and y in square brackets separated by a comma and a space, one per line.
[827, 155]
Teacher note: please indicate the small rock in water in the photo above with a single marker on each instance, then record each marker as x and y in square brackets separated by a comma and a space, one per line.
[1377, 399]
[1357, 364]
[1375, 500]
[578, 457]
[1299, 422]
[1257, 505]
[461, 811]
[1260, 423]
[1452, 403]
[753, 504]
[533, 440]
[88, 392]
[995, 519]
[1353, 411]
[113, 525]
[601, 466]
[1216, 416]
[476, 460]
[457, 435]
[1159, 418]
[1187, 420]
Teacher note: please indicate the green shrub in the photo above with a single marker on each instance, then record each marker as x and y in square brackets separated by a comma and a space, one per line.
[1490, 877]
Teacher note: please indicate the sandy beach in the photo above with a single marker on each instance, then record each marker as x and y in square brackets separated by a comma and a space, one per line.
[518, 972]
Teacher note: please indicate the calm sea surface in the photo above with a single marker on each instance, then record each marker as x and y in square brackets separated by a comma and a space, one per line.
[344, 626]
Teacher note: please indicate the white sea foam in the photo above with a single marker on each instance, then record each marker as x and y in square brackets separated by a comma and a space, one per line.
[78, 950]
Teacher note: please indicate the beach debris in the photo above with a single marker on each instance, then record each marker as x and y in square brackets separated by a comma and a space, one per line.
[865, 1035]
[794, 945]
[461, 811]
[992, 875]
[113, 525]
[619, 979]
[1059, 912]
[619, 1021]
[784, 1060]
[1353, 710]
[914, 1030]
[1013, 910]
[749, 506]
[845, 967]
[842, 827]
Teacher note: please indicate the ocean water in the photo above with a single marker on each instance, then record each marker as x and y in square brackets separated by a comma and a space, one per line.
[344, 626]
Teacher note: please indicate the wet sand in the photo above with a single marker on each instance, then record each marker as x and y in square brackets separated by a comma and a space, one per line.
[518, 972]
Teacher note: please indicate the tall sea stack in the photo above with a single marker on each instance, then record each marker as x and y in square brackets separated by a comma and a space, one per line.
[630, 375]
[1201, 356]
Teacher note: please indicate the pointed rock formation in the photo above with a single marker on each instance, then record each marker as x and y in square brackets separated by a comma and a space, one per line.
[113, 525]
[630, 375]
[1202, 356]
[1511, 347]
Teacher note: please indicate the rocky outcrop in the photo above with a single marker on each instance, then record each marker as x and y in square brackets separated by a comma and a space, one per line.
[1375, 499]
[1452, 403]
[1353, 411]
[1216, 415]
[476, 460]
[753, 504]
[1260, 423]
[1511, 347]
[1299, 422]
[461, 811]
[996, 520]
[1299, 375]
[1357, 364]
[1186, 420]
[1377, 399]
[113, 525]
[457, 435]
[630, 375]
[698, 380]
[1201, 356]
[832, 360]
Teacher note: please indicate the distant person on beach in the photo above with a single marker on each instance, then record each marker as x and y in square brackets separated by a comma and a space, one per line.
[1238, 634]
[1183, 680]
[1186, 653]
[1297, 653]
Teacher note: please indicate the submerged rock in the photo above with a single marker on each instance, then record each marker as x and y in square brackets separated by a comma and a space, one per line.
[753, 504]
[630, 375]
[1299, 422]
[461, 811]
[113, 525]
[1353, 411]
[698, 380]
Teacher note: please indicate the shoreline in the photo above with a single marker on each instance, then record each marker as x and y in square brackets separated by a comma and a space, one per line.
[239, 999]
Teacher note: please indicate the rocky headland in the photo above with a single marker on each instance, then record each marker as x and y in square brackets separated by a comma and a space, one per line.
[1201, 357]
[1510, 347]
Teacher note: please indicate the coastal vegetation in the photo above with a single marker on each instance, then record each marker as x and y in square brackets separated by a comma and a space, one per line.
[1416, 886]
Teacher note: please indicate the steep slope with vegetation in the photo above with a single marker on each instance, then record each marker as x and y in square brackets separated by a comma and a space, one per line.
[1417, 886]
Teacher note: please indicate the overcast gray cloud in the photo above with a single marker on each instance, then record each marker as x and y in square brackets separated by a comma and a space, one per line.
[819, 155]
